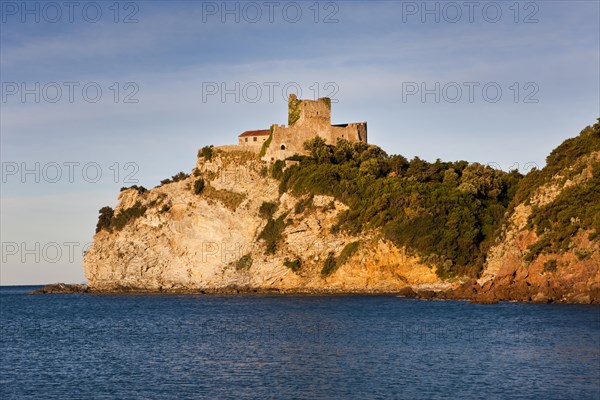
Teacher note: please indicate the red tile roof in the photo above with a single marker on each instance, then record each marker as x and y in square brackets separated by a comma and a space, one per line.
[264, 132]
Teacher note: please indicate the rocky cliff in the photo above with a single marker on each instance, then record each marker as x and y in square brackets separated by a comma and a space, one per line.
[223, 238]
[230, 225]
[548, 250]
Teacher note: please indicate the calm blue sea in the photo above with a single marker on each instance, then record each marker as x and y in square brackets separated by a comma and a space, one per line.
[272, 347]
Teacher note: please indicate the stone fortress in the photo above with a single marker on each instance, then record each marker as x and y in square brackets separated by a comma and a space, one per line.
[306, 119]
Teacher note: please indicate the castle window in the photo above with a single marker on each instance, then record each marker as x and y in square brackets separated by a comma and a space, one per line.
[255, 138]
[283, 147]
[245, 139]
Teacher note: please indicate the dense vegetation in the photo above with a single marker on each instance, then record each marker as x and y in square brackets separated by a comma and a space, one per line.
[293, 110]
[175, 178]
[446, 211]
[108, 220]
[266, 144]
[272, 233]
[561, 158]
[267, 209]
[332, 263]
[245, 262]
[105, 218]
[206, 152]
[199, 186]
[228, 198]
[303, 204]
[576, 208]
[139, 189]
[294, 265]
[347, 252]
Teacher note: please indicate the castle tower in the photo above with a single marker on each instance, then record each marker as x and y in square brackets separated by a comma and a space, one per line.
[310, 114]
[307, 119]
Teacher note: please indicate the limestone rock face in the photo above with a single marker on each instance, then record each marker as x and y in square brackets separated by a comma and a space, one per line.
[210, 241]
[510, 276]
[224, 238]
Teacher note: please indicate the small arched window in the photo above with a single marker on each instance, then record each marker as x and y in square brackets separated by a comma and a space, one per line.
[283, 147]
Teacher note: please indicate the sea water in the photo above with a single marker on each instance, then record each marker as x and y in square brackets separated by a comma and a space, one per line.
[83, 346]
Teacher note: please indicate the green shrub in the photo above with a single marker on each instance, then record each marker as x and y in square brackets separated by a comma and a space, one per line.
[335, 228]
[330, 265]
[127, 215]
[245, 262]
[154, 202]
[266, 144]
[296, 157]
[550, 265]
[199, 186]
[583, 254]
[537, 248]
[375, 167]
[329, 206]
[303, 204]
[105, 218]
[277, 169]
[140, 189]
[347, 252]
[231, 200]
[180, 177]
[299, 207]
[319, 150]
[294, 265]
[272, 233]
[175, 178]
[108, 220]
[206, 152]
[293, 110]
[267, 209]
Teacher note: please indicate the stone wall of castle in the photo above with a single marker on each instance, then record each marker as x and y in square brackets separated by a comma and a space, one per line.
[251, 143]
[307, 119]
[353, 132]
[237, 147]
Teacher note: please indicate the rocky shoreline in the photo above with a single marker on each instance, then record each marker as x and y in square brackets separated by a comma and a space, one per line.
[491, 293]
[62, 288]
[468, 291]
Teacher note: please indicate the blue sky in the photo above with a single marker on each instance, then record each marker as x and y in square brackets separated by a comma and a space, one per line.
[543, 55]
